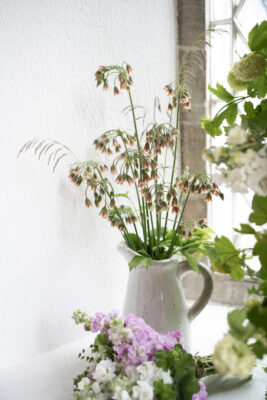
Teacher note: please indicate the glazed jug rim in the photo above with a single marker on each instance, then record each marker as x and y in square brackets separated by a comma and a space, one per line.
[123, 245]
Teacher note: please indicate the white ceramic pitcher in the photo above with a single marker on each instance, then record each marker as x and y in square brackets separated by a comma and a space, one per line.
[156, 293]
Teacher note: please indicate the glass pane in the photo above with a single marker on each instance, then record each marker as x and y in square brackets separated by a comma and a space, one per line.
[221, 9]
[239, 49]
[252, 12]
[220, 55]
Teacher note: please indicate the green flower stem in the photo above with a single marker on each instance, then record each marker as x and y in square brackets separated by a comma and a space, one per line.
[143, 217]
[174, 160]
[138, 197]
[235, 100]
[178, 225]
[126, 233]
[152, 225]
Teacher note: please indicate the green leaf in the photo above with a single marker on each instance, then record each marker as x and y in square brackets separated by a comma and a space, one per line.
[258, 88]
[257, 37]
[192, 261]
[236, 321]
[134, 238]
[103, 346]
[231, 113]
[258, 316]
[183, 371]
[259, 206]
[260, 249]
[259, 349]
[137, 260]
[246, 229]
[208, 125]
[221, 93]
[203, 233]
[225, 258]
[163, 391]
[249, 109]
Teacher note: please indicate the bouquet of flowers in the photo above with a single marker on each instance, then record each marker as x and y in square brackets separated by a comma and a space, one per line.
[130, 360]
[150, 217]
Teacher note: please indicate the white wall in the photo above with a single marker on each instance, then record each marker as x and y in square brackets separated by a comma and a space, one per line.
[56, 255]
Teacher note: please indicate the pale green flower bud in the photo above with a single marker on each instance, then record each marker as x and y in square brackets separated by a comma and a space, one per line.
[250, 67]
[233, 357]
[235, 83]
[252, 302]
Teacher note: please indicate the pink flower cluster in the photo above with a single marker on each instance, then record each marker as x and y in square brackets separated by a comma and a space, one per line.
[133, 340]
[202, 394]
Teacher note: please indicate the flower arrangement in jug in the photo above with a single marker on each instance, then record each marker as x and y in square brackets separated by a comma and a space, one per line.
[151, 217]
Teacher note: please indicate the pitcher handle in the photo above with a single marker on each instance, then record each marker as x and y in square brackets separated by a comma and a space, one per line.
[205, 295]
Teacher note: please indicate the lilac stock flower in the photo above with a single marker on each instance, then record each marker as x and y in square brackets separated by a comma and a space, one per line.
[202, 394]
[133, 340]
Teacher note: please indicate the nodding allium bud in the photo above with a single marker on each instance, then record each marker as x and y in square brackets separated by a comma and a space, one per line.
[158, 209]
[103, 212]
[116, 91]
[109, 152]
[141, 183]
[174, 202]
[221, 195]
[154, 174]
[202, 221]
[208, 197]
[146, 146]
[184, 99]
[214, 185]
[121, 227]
[189, 234]
[105, 85]
[112, 203]
[117, 148]
[164, 205]
[119, 179]
[169, 90]
[103, 168]
[129, 69]
[135, 173]
[170, 107]
[129, 179]
[187, 105]
[113, 169]
[183, 233]
[149, 205]
[169, 196]
[175, 210]
[158, 196]
[88, 203]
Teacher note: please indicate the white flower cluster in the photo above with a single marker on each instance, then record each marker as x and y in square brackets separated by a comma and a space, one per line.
[233, 357]
[250, 171]
[107, 379]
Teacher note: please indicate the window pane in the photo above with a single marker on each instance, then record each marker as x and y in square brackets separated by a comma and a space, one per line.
[221, 9]
[252, 12]
[220, 55]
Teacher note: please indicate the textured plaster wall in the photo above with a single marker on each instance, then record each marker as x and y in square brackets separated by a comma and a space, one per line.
[56, 255]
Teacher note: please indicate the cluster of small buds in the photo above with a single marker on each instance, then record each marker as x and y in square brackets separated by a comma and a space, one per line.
[185, 99]
[123, 75]
[159, 137]
[122, 178]
[198, 184]
[110, 139]
[125, 215]
[75, 176]
[178, 93]
[162, 202]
